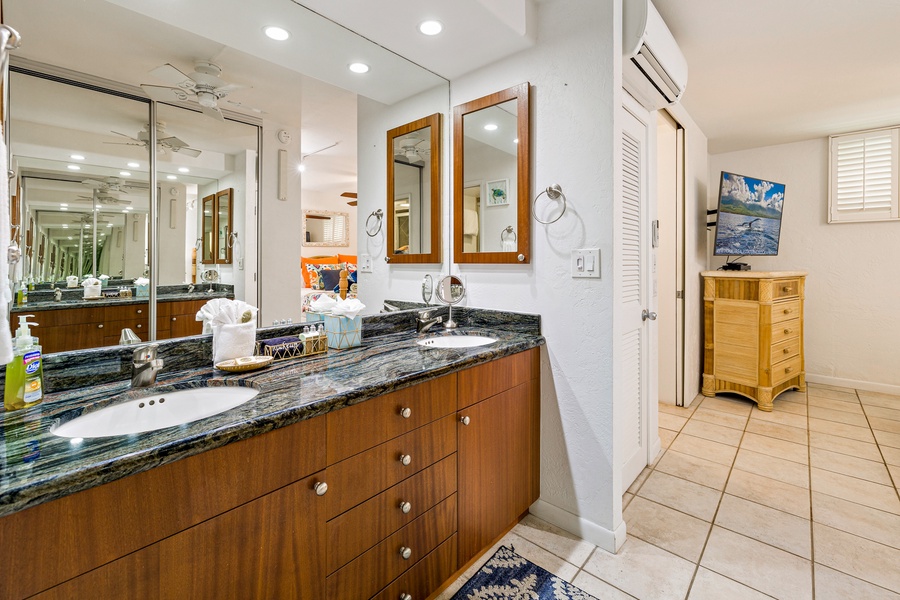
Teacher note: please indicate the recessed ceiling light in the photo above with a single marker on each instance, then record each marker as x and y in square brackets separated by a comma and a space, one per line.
[359, 67]
[99, 206]
[430, 27]
[276, 33]
[76, 157]
[125, 173]
[70, 237]
[109, 224]
[63, 208]
[124, 211]
[490, 127]
[63, 204]
[128, 207]
[74, 167]
[171, 177]
[301, 167]
[134, 165]
[183, 170]
[65, 225]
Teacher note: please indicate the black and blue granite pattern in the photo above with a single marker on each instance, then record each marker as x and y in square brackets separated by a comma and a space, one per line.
[72, 298]
[39, 466]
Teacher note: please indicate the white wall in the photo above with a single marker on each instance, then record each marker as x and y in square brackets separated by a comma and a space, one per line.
[171, 239]
[852, 332]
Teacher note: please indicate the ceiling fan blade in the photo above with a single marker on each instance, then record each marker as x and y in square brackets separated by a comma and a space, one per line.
[224, 90]
[93, 183]
[133, 139]
[348, 195]
[170, 74]
[193, 152]
[352, 203]
[212, 112]
[243, 106]
[165, 94]
[172, 142]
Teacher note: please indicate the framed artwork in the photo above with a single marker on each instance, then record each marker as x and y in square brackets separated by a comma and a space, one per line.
[498, 192]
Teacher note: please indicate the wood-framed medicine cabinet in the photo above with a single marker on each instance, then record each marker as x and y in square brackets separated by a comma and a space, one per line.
[216, 227]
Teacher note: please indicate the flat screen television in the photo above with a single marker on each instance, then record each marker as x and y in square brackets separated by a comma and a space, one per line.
[749, 217]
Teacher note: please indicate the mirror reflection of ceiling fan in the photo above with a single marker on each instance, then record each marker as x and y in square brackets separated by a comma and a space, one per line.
[412, 152]
[164, 143]
[350, 195]
[104, 199]
[203, 86]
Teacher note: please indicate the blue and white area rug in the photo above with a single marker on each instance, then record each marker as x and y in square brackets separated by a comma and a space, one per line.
[508, 576]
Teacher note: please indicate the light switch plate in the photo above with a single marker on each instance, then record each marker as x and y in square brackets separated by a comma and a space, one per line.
[365, 263]
[586, 263]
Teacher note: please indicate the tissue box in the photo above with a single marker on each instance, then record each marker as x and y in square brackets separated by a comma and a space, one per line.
[343, 332]
[92, 291]
[142, 290]
[314, 316]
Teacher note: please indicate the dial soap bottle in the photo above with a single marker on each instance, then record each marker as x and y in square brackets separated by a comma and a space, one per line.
[25, 374]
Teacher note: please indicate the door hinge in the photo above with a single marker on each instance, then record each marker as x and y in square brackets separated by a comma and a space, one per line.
[679, 295]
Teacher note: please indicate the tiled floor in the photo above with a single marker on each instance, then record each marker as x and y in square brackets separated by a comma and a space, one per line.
[799, 503]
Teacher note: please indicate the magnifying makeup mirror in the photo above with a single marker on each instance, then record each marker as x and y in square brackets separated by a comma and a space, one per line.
[427, 289]
[450, 291]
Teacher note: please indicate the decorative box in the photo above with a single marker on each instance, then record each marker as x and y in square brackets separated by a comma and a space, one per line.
[312, 317]
[142, 290]
[288, 347]
[343, 332]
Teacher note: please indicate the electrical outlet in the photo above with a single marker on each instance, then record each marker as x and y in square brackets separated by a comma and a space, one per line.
[365, 263]
[586, 263]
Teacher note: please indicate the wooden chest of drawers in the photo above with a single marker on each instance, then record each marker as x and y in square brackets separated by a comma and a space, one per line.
[753, 333]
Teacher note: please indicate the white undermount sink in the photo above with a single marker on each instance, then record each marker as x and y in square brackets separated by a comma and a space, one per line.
[155, 412]
[456, 341]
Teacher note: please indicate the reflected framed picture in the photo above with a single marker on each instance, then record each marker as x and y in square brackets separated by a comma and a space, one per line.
[497, 192]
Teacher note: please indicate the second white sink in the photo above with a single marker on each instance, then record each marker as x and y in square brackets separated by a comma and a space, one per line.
[155, 412]
[456, 341]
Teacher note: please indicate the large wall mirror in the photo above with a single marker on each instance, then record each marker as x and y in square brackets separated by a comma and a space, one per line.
[491, 191]
[414, 191]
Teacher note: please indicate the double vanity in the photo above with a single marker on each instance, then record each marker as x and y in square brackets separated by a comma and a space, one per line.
[373, 472]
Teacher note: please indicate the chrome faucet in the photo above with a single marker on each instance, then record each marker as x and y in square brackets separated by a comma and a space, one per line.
[190, 288]
[146, 366]
[424, 321]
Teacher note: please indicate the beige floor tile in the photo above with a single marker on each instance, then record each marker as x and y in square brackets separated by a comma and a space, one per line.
[639, 481]
[860, 434]
[693, 468]
[784, 418]
[626, 498]
[786, 471]
[772, 493]
[598, 588]
[563, 544]
[666, 437]
[838, 416]
[789, 407]
[891, 457]
[709, 585]
[870, 523]
[883, 413]
[716, 417]
[834, 585]
[799, 453]
[643, 570]
[886, 438]
[714, 451]
[778, 431]
[767, 525]
[844, 445]
[732, 405]
[793, 396]
[849, 465]
[680, 411]
[671, 422]
[667, 528]
[710, 431]
[448, 593]
[851, 407]
[879, 399]
[844, 395]
[680, 494]
[542, 558]
[895, 474]
[827, 386]
[757, 565]
[863, 492]
[659, 455]
[881, 424]
[856, 556]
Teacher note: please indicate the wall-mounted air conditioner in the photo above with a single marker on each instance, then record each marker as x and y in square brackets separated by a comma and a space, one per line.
[654, 70]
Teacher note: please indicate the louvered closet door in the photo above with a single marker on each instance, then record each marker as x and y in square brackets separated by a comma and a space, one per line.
[631, 352]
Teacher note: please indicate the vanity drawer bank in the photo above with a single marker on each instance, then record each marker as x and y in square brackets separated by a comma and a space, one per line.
[753, 334]
[416, 481]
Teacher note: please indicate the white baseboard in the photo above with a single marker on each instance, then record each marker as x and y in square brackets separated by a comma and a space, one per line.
[868, 386]
[604, 538]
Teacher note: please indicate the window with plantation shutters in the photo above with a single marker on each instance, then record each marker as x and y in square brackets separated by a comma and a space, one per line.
[864, 176]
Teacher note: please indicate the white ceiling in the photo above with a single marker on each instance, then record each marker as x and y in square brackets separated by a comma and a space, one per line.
[766, 72]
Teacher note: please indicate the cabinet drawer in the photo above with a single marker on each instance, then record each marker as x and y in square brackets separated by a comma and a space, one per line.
[426, 576]
[786, 288]
[785, 330]
[357, 530]
[786, 349]
[497, 376]
[360, 477]
[360, 427]
[382, 564]
[785, 311]
[126, 312]
[786, 369]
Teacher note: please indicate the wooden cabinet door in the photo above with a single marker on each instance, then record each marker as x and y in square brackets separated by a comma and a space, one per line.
[495, 466]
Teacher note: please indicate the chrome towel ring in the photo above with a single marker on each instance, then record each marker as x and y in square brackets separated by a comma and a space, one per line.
[554, 192]
[506, 233]
[372, 228]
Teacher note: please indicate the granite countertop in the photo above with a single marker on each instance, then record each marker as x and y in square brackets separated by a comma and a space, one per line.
[82, 303]
[37, 466]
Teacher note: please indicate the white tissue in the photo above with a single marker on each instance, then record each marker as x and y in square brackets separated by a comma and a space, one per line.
[233, 340]
[348, 308]
[222, 311]
[90, 281]
[324, 303]
[104, 277]
[141, 281]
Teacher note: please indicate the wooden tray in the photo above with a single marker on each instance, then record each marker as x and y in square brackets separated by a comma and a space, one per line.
[246, 363]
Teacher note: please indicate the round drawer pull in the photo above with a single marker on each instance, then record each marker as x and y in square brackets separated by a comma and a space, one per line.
[465, 420]
[100, 326]
[787, 350]
[788, 369]
[405, 553]
[405, 507]
[788, 311]
[405, 597]
[788, 330]
[405, 459]
[321, 487]
[140, 311]
[139, 325]
[406, 412]
[174, 318]
[786, 289]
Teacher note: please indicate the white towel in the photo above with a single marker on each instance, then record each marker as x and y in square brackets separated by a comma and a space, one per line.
[470, 221]
[508, 246]
[233, 340]
[6, 349]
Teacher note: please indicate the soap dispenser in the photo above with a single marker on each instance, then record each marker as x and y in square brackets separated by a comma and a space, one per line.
[24, 375]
